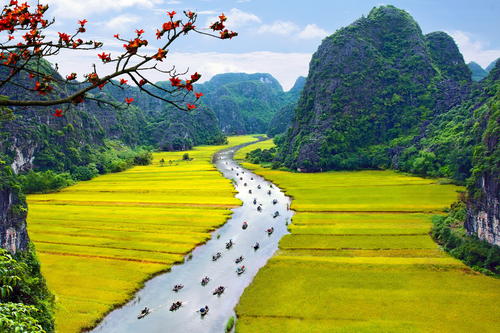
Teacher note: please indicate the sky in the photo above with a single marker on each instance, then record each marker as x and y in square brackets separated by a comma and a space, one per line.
[275, 36]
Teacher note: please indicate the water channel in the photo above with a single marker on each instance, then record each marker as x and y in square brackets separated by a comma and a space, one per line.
[157, 293]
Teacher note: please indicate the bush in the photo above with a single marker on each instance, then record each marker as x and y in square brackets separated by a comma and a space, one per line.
[185, 157]
[85, 172]
[143, 158]
[230, 324]
[44, 181]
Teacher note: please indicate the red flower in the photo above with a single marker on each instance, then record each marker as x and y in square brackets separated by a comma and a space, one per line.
[102, 85]
[195, 77]
[160, 55]
[217, 26]
[142, 82]
[139, 32]
[171, 14]
[190, 14]
[188, 86]
[82, 22]
[64, 37]
[58, 113]
[191, 106]
[198, 95]
[222, 17]
[31, 75]
[70, 77]
[117, 36]
[188, 26]
[170, 25]
[11, 37]
[226, 34]
[128, 100]
[176, 82]
[105, 57]
[123, 81]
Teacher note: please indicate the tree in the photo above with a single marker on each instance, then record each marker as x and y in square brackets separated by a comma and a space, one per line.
[26, 45]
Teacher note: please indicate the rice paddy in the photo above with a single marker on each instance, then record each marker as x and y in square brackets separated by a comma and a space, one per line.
[359, 259]
[99, 241]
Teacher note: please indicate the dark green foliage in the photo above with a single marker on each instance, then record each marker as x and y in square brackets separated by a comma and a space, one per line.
[448, 231]
[185, 157]
[259, 155]
[244, 103]
[27, 288]
[44, 181]
[115, 157]
[478, 73]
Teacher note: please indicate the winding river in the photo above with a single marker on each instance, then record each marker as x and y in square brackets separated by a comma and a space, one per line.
[157, 293]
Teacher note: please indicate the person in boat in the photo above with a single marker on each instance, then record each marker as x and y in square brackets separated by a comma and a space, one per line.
[259, 208]
[205, 280]
[244, 184]
[238, 260]
[270, 230]
[250, 191]
[245, 225]
[145, 311]
[258, 186]
[204, 310]
[276, 214]
[271, 185]
[251, 178]
[254, 201]
[269, 192]
[275, 202]
[240, 270]
[256, 246]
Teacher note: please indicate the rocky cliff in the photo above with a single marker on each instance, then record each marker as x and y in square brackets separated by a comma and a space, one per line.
[377, 80]
[483, 204]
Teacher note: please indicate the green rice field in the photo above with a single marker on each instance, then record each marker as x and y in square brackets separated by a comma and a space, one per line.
[360, 259]
[98, 241]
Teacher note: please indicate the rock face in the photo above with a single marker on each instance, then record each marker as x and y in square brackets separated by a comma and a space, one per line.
[369, 83]
[243, 103]
[483, 204]
[13, 234]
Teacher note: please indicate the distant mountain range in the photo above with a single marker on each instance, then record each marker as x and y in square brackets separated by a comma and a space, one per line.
[478, 73]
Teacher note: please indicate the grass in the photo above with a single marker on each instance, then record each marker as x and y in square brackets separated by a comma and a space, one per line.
[359, 259]
[99, 241]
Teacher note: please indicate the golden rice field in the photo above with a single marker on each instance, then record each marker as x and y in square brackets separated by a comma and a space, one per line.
[99, 240]
[359, 259]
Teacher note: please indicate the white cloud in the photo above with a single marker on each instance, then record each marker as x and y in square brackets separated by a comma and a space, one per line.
[243, 1]
[312, 31]
[83, 8]
[286, 28]
[279, 28]
[285, 67]
[474, 50]
[173, 2]
[236, 18]
[122, 22]
[207, 12]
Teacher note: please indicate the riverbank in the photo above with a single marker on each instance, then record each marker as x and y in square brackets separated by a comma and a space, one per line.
[100, 240]
[359, 259]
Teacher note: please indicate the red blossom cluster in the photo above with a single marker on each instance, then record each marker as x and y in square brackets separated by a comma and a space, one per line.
[16, 17]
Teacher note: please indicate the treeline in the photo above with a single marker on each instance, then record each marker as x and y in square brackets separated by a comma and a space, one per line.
[115, 157]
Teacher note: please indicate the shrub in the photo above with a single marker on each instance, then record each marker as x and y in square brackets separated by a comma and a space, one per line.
[44, 181]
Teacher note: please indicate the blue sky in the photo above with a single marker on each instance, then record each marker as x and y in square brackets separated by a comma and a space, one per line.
[276, 36]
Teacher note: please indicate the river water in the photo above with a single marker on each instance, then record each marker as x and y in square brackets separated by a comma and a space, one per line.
[157, 293]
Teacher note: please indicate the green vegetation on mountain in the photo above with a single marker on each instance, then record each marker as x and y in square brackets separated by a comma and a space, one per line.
[243, 103]
[282, 119]
[478, 73]
[372, 88]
